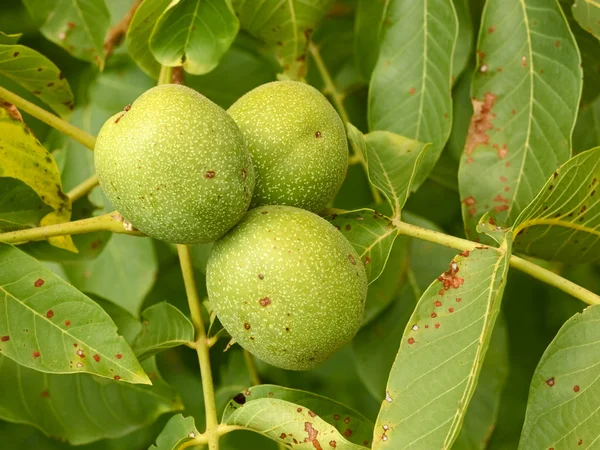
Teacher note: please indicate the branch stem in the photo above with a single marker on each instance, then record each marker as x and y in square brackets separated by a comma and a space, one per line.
[212, 423]
[56, 122]
[107, 222]
[84, 188]
[532, 269]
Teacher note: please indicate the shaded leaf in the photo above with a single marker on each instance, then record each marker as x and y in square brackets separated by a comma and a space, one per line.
[79, 26]
[123, 273]
[194, 34]
[24, 158]
[563, 222]
[482, 413]
[82, 408]
[442, 350]
[51, 327]
[178, 431]
[587, 13]
[370, 233]
[20, 206]
[9, 39]
[299, 419]
[586, 134]
[139, 32]
[409, 93]
[367, 34]
[164, 326]
[286, 26]
[464, 40]
[515, 139]
[563, 406]
[38, 75]
[394, 163]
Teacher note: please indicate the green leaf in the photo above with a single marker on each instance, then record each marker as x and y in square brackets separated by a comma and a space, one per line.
[563, 406]
[482, 413]
[299, 419]
[563, 222]
[179, 430]
[123, 273]
[9, 39]
[368, 29]
[194, 34]
[51, 327]
[370, 233]
[286, 26]
[394, 163]
[409, 93]
[24, 158]
[587, 13]
[528, 66]
[79, 26]
[139, 32]
[164, 326]
[82, 408]
[586, 134]
[442, 350]
[464, 40]
[20, 206]
[38, 75]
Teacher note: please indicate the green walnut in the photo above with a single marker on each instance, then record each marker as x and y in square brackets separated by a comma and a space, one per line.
[287, 286]
[175, 166]
[298, 144]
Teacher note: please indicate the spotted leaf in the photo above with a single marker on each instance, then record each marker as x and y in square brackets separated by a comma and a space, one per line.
[409, 93]
[441, 353]
[370, 233]
[164, 326]
[51, 327]
[81, 408]
[587, 13]
[564, 398]
[563, 222]
[20, 206]
[298, 419]
[194, 34]
[528, 68]
[24, 158]
[178, 431]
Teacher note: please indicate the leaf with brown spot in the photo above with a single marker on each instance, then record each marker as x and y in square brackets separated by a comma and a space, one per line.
[176, 432]
[515, 133]
[308, 417]
[24, 158]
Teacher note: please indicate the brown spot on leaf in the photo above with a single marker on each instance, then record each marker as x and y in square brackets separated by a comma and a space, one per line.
[348, 433]
[576, 388]
[411, 91]
[491, 29]
[502, 152]
[466, 253]
[117, 377]
[312, 436]
[38, 283]
[97, 358]
[50, 314]
[12, 110]
[481, 122]
[36, 354]
[45, 394]
[67, 323]
[240, 399]
[500, 208]
[469, 201]
[500, 199]
[283, 435]
[550, 381]
[411, 341]
[449, 278]
[332, 444]
[5, 338]
[118, 356]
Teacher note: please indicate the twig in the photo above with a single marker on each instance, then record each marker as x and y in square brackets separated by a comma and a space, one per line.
[117, 33]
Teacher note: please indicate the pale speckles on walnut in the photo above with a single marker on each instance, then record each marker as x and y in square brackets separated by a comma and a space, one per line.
[316, 295]
[297, 141]
[173, 166]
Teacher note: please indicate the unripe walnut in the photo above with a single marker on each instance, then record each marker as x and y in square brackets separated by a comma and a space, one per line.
[175, 166]
[298, 144]
[287, 286]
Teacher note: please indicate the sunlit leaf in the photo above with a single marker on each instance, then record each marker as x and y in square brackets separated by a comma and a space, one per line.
[164, 326]
[409, 92]
[394, 163]
[38, 75]
[564, 398]
[528, 68]
[123, 273]
[563, 222]
[79, 26]
[82, 408]
[441, 353]
[286, 26]
[139, 32]
[370, 233]
[179, 430]
[51, 327]
[194, 34]
[24, 158]
[587, 13]
[20, 206]
[299, 419]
